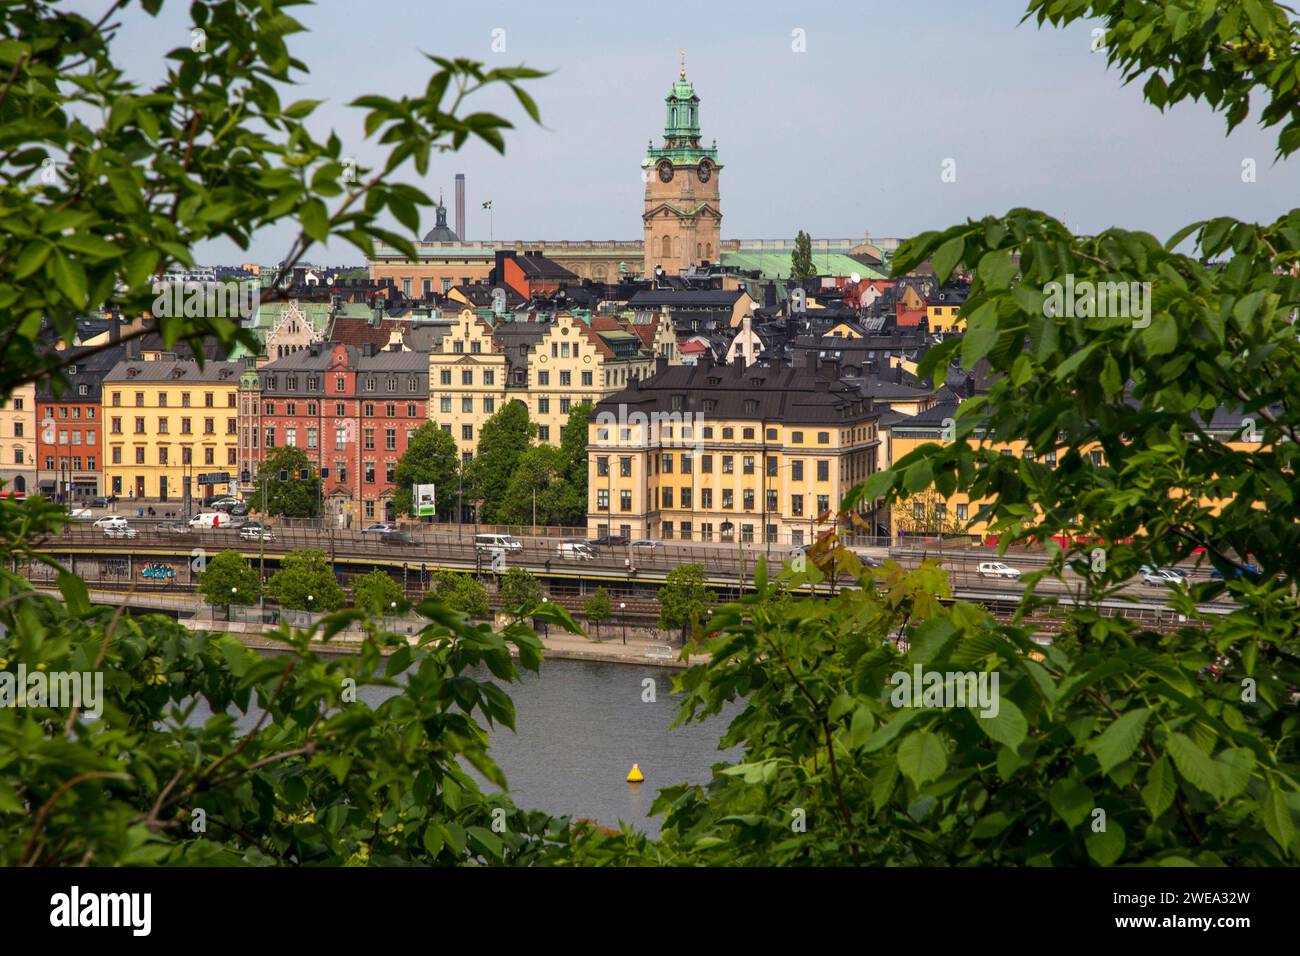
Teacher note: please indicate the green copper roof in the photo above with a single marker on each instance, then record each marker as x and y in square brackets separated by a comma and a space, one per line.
[776, 265]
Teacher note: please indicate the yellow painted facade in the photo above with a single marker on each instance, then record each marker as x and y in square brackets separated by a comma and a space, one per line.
[944, 318]
[18, 440]
[568, 365]
[929, 512]
[724, 481]
[166, 423]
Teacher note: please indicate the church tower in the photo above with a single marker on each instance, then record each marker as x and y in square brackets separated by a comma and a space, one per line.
[683, 216]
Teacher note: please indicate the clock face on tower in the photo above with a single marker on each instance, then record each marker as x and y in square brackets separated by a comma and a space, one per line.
[704, 170]
[665, 171]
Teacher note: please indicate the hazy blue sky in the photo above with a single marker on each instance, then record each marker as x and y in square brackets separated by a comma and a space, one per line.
[845, 138]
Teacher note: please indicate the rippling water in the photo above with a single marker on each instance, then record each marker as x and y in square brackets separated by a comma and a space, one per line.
[581, 725]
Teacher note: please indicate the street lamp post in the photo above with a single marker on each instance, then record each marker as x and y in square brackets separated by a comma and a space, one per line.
[229, 608]
[261, 557]
[622, 613]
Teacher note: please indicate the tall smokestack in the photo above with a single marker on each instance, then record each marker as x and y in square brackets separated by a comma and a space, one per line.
[460, 206]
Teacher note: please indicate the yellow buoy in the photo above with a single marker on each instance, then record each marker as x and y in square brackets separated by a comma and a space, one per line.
[634, 775]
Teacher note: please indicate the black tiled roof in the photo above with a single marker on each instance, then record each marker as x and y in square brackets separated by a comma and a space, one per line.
[797, 396]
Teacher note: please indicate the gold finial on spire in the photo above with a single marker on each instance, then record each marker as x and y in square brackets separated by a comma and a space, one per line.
[683, 53]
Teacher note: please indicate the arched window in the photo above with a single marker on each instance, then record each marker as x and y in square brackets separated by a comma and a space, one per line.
[668, 247]
[20, 483]
[674, 116]
[708, 251]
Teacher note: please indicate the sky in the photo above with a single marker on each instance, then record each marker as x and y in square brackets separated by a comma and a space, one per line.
[846, 137]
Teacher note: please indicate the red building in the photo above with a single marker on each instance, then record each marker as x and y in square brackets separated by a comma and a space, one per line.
[351, 410]
[69, 431]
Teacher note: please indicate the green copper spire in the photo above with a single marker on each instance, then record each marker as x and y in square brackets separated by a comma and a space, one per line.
[681, 126]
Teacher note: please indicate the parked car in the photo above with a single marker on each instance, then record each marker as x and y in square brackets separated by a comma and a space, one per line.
[1246, 569]
[575, 551]
[610, 541]
[177, 529]
[80, 514]
[211, 519]
[646, 545]
[101, 502]
[497, 542]
[1168, 577]
[867, 560]
[120, 532]
[256, 532]
[996, 569]
[397, 537]
[110, 521]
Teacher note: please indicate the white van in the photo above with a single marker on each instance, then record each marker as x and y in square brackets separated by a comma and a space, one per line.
[211, 519]
[497, 542]
[575, 551]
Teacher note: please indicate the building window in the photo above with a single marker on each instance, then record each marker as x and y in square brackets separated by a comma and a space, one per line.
[796, 506]
[625, 467]
[467, 432]
[602, 499]
[625, 501]
[602, 466]
[544, 433]
[796, 470]
[823, 469]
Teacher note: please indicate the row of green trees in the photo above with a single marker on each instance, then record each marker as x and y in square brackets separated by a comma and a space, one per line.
[306, 581]
[510, 473]
[517, 480]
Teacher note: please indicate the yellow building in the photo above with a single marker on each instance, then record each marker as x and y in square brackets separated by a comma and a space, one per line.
[944, 319]
[467, 379]
[941, 311]
[18, 440]
[722, 454]
[168, 422]
[928, 513]
[475, 368]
